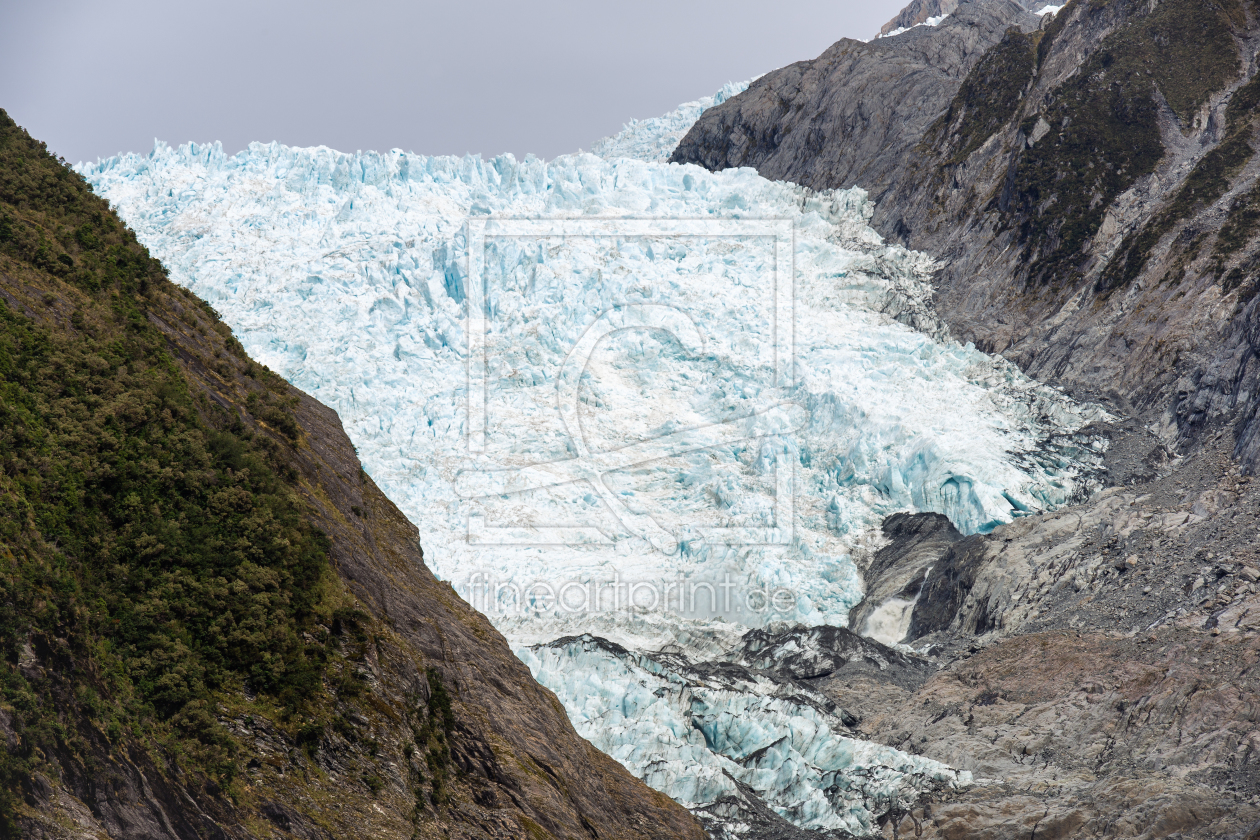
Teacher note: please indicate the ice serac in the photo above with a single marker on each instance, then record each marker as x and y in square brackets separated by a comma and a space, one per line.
[351, 275]
[655, 139]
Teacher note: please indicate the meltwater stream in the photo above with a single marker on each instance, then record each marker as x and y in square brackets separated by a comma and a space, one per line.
[635, 408]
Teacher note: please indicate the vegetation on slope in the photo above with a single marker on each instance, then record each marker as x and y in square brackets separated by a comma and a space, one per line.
[1243, 219]
[178, 654]
[989, 97]
[1208, 181]
[150, 543]
[1104, 123]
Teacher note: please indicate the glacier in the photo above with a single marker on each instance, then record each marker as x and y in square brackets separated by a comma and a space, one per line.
[761, 380]
[698, 732]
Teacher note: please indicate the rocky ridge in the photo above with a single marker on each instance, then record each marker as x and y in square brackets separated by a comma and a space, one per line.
[918, 12]
[854, 115]
[1086, 186]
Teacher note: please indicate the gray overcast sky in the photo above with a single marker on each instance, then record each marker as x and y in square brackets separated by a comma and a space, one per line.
[548, 77]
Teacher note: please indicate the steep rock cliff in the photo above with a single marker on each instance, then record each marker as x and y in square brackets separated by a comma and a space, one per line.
[854, 114]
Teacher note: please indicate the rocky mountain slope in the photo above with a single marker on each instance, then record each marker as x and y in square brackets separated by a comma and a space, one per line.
[1087, 188]
[1098, 666]
[854, 114]
[213, 623]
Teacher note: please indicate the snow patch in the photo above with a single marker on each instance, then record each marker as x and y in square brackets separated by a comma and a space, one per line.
[936, 20]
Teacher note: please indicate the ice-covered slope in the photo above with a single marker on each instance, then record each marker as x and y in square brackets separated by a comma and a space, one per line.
[347, 274]
[654, 140]
[684, 401]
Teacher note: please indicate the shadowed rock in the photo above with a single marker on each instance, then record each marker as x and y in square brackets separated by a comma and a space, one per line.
[898, 570]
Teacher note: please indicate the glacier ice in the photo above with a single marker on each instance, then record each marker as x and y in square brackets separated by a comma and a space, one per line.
[351, 276]
[694, 732]
[654, 140]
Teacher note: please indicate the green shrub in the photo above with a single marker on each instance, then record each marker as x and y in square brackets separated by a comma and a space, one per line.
[988, 97]
[1206, 183]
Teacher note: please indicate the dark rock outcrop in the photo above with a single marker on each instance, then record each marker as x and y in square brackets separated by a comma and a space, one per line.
[819, 652]
[899, 569]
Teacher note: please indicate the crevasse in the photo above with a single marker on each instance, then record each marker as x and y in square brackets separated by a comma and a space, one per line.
[350, 276]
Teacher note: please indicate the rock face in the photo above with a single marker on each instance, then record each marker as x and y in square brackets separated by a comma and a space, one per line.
[899, 569]
[917, 13]
[822, 652]
[854, 115]
[1087, 189]
[920, 11]
[1133, 287]
[425, 725]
